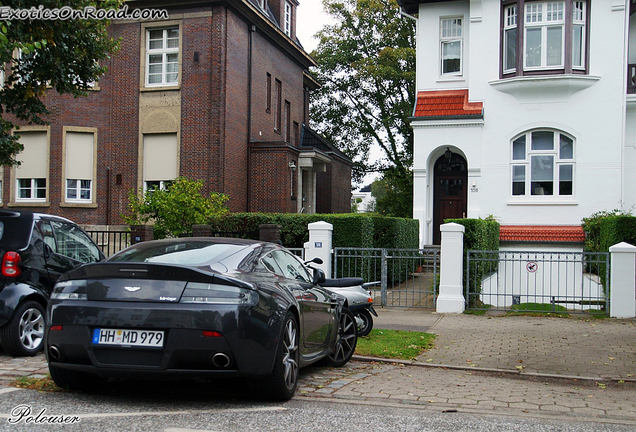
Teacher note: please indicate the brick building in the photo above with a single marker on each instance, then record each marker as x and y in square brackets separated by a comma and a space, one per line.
[217, 92]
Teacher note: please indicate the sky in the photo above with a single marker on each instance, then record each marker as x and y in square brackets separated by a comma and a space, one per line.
[310, 18]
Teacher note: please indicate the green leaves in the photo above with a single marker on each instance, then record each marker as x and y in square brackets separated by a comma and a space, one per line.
[174, 210]
[61, 54]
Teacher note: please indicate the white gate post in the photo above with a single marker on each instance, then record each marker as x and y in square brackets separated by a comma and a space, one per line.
[451, 297]
[622, 281]
[319, 245]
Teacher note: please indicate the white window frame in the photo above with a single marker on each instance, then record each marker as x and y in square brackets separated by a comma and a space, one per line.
[32, 188]
[451, 32]
[163, 184]
[510, 24]
[579, 19]
[164, 51]
[79, 187]
[287, 21]
[541, 16]
[557, 163]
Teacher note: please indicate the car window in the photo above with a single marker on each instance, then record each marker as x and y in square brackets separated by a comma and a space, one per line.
[73, 243]
[47, 234]
[270, 264]
[291, 267]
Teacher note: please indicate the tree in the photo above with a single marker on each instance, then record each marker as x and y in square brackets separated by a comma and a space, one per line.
[174, 210]
[38, 54]
[366, 65]
[393, 193]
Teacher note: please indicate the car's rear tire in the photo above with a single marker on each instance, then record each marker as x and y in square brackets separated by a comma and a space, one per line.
[23, 335]
[281, 384]
[76, 380]
[346, 341]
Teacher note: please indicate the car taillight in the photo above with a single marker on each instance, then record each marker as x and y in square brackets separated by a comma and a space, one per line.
[10, 263]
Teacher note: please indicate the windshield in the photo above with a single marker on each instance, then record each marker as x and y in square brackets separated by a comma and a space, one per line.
[190, 253]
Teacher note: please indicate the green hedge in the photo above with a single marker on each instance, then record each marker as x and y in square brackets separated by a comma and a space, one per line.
[479, 235]
[349, 230]
[616, 229]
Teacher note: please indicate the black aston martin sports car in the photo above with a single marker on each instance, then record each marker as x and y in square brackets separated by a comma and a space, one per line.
[195, 308]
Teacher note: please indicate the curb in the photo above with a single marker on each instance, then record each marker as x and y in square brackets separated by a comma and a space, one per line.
[489, 370]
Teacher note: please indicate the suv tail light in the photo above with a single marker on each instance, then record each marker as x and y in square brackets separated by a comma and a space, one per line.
[10, 263]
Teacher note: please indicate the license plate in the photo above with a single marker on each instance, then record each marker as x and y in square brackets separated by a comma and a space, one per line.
[137, 338]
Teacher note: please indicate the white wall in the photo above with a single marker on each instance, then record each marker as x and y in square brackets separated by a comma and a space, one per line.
[590, 108]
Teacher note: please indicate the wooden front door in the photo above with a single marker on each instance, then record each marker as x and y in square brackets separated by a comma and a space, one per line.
[450, 191]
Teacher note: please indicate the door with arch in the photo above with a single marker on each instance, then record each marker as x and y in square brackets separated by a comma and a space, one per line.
[450, 176]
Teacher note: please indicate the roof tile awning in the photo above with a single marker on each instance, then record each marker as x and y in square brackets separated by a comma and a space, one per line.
[446, 103]
[542, 233]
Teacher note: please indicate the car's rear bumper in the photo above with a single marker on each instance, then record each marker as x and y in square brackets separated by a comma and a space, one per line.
[245, 345]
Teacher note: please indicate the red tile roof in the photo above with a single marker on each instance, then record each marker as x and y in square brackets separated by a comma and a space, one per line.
[542, 233]
[446, 103]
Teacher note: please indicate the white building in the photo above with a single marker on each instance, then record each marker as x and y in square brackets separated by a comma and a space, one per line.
[523, 112]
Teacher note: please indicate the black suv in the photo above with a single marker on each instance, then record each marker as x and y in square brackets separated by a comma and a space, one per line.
[35, 250]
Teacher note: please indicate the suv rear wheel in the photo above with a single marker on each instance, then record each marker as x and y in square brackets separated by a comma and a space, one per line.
[24, 333]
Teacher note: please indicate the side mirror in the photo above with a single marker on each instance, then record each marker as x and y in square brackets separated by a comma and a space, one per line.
[315, 261]
[319, 276]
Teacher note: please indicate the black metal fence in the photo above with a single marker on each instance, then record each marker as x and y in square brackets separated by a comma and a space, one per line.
[406, 277]
[110, 242]
[533, 281]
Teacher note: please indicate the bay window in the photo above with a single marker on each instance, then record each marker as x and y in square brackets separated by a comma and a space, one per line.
[543, 37]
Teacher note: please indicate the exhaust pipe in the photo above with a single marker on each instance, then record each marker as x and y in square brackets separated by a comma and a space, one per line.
[221, 360]
[55, 352]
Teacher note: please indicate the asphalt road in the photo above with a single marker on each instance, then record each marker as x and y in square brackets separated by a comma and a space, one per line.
[233, 406]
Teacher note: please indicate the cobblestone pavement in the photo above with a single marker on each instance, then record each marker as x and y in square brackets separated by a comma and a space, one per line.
[448, 390]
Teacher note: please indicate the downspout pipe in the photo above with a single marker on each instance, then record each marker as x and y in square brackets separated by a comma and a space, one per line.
[249, 115]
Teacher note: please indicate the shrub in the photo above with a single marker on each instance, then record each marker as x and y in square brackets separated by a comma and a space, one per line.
[480, 235]
[174, 210]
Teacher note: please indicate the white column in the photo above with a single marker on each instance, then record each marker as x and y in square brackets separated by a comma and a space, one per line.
[319, 245]
[451, 287]
[622, 281]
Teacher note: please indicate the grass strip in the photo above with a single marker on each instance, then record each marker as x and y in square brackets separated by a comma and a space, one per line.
[394, 344]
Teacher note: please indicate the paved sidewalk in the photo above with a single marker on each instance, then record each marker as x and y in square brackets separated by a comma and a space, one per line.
[560, 347]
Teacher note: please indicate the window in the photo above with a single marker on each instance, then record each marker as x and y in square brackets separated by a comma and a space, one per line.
[278, 109]
[287, 121]
[162, 56]
[269, 93]
[549, 40]
[160, 164]
[80, 166]
[72, 242]
[78, 190]
[296, 136]
[32, 189]
[451, 46]
[287, 20]
[31, 176]
[542, 164]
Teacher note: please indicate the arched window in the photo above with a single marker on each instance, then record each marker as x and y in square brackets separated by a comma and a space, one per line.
[542, 164]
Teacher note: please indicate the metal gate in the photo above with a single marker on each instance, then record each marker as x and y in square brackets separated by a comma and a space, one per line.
[404, 277]
[537, 281]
